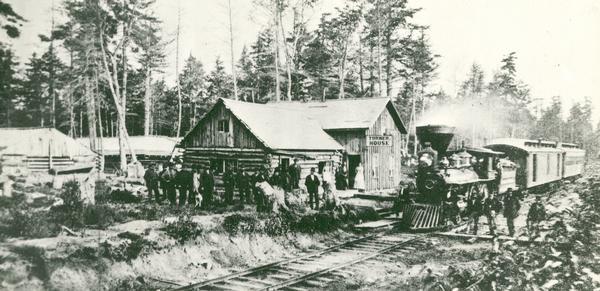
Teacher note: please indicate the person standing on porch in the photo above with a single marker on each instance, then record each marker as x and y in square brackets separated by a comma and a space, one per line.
[359, 178]
[312, 183]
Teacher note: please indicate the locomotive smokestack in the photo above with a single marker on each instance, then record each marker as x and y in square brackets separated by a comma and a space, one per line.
[439, 136]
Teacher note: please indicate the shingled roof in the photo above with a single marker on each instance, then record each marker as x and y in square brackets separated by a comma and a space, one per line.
[40, 142]
[281, 129]
[344, 113]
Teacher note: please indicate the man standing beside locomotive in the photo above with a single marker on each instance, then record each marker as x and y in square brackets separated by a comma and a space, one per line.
[536, 214]
[511, 210]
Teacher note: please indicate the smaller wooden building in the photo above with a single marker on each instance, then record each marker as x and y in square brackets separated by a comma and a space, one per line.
[251, 136]
[369, 129]
[35, 149]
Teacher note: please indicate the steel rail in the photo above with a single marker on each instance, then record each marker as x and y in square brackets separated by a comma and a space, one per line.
[275, 264]
[340, 266]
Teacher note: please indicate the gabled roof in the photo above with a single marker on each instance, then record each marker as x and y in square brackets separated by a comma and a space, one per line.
[345, 113]
[278, 128]
[40, 142]
[153, 145]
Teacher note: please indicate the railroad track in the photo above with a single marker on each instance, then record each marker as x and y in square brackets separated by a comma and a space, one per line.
[314, 270]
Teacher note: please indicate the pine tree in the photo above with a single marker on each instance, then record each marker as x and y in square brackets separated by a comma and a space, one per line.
[193, 91]
[8, 89]
[219, 84]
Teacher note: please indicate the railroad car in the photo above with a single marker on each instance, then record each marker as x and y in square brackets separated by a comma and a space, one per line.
[540, 163]
[448, 180]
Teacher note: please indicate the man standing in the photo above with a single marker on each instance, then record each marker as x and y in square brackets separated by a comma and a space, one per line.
[151, 178]
[312, 183]
[167, 180]
[294, 170]
[285, 180]
[490, 206]
[536, 214]
[244, 183]
[208, 188]
[511, 210]
[476, 210]
[259, 197]
[229, 184]
[183, 181]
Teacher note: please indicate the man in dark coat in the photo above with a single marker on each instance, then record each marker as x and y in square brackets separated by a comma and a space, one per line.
[340, 179]
[261, 176]
[294, 170]
[168, 183]
[151, 178]
[208, 188]
[536, 214]
[229, 184]
[244, 183]
[511, 210]
[312, 183]
[183, 182]
[285, 180]
[491, 206]
[476, 210]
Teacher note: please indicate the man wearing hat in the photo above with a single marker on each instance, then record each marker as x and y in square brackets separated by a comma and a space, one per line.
[208, 188]
[151, 178]
[511, 210]
[312, 183]
[294, 170]
[183, 181]
[167, 181]
[536, 214]
[229, 184]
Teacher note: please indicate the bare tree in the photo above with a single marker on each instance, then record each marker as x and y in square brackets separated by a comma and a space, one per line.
[233, 76]
[179, 105]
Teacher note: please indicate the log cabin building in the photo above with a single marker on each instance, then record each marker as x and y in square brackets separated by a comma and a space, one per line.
[323, 135]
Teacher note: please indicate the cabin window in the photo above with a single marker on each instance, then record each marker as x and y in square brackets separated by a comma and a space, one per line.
[534, 166]
[223, 125]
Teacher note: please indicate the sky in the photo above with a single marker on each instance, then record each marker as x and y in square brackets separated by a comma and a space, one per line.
[557, 42]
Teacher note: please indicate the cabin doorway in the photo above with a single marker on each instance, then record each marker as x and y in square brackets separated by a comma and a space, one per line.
[353, 161]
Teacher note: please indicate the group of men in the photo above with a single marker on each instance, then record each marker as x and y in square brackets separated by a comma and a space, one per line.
[491, 205]
[179, 185]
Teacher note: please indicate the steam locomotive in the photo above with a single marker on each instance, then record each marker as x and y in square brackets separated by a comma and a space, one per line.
[447, 181]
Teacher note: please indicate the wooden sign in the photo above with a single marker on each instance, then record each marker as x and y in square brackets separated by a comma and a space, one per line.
[379, 140]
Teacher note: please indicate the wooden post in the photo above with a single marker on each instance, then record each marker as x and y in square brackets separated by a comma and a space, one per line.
[50, 153]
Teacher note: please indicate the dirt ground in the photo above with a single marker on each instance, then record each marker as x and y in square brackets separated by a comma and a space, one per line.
[141, 254]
